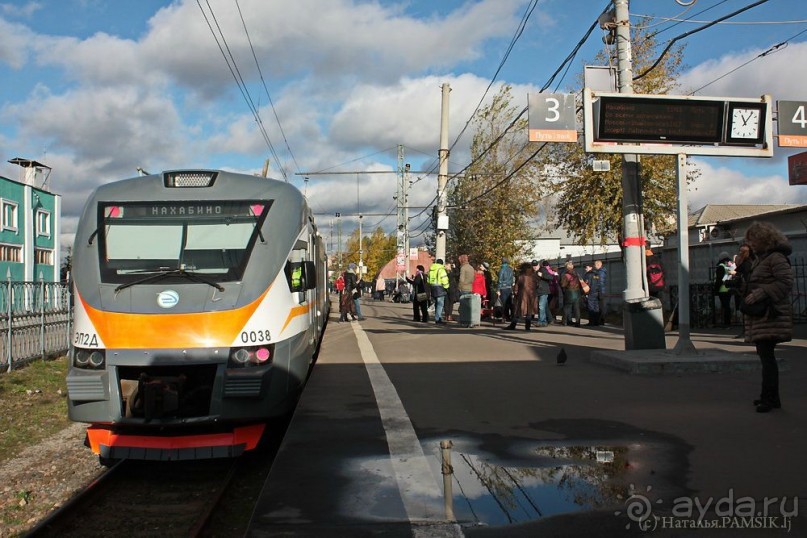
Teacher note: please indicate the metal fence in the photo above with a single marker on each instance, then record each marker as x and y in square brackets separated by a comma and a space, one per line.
[704, 306]
[35, 319]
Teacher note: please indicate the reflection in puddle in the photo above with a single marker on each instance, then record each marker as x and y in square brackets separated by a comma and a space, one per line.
[564, 479]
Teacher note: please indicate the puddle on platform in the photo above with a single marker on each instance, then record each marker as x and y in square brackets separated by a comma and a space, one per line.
[559, 479]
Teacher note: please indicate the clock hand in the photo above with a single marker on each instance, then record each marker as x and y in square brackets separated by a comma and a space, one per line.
[745, 120]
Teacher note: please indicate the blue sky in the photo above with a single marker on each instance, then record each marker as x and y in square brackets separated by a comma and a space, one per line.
[96, 88]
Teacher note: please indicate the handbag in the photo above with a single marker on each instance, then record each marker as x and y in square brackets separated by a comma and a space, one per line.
[422, 297]
[757, 309]
[584, 286]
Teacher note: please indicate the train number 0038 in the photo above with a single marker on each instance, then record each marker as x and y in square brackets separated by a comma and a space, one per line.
[256, 337]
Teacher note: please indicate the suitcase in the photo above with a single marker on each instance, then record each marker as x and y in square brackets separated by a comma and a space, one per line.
[470, 310]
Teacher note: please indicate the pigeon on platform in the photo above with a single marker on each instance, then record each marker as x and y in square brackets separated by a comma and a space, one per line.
[562, 356]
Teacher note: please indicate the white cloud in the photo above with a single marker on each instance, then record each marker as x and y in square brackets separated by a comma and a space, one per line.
[24, 11]
[15, 42]
[338, 41]
[773, 74]
[723, 185]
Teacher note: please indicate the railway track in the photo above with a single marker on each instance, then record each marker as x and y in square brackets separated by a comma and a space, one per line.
[145, 498]
[184, 498]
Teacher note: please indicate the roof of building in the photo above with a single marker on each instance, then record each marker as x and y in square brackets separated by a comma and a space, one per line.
[716, 213]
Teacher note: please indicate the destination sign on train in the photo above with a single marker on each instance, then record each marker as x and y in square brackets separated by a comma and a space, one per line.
[185, 210]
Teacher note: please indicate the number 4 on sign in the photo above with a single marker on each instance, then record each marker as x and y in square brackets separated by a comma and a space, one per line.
[792, 124]
[552, 117]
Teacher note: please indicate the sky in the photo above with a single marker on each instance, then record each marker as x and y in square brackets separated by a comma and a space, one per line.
[95, 89]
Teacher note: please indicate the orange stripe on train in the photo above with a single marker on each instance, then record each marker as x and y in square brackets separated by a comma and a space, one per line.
[170, 331]
[296, 311]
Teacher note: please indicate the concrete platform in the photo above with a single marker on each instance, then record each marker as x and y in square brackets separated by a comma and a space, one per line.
[666, 361]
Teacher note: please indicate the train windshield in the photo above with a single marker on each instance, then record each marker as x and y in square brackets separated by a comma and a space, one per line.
[211, 238]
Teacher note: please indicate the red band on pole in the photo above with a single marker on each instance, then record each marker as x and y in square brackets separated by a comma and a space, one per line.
[634, 242]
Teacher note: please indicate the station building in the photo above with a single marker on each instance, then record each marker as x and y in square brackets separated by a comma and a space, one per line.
[29, 225]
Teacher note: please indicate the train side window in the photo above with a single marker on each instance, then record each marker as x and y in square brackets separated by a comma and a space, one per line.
[310, 275]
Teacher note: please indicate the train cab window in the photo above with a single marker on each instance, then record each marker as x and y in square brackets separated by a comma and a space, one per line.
[212, 238]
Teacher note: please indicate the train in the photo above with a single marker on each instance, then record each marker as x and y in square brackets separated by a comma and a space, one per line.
[200, 298]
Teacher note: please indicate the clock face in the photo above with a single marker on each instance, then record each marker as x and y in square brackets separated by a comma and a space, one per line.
[745, 123]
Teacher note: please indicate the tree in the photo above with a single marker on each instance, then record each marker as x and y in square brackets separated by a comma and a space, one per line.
[589, 203]
[492, 205]
[377, 250]
[67, 264]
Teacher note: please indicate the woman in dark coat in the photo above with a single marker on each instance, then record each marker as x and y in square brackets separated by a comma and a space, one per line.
[524, 292]
[771, 280]
[570, 283]
[420, 309]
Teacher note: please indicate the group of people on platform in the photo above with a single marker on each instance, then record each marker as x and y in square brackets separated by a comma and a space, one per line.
[535, 292]
[759, 278]
[540, 293]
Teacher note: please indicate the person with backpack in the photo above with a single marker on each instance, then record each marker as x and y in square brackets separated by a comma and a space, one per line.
[505, 287]
[655, 274]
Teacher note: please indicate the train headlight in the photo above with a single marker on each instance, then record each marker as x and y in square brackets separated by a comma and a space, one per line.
[89, 360]
[245, 357]
[81, 359]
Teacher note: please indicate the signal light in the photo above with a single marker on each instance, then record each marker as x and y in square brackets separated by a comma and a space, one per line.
[246, 357]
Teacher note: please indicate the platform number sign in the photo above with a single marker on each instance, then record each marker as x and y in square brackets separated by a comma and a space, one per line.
[552, 117]
[792, 124]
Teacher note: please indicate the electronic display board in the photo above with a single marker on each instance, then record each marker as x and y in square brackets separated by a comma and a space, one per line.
[676, 124]
[632, 119]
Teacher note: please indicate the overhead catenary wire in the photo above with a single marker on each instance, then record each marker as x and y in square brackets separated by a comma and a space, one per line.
[771, 50]
[265, 87]
[512, 124]
[696, 30]
[232, 65]
[519, 30]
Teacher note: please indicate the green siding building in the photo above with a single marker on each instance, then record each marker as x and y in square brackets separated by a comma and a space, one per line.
[29, 227]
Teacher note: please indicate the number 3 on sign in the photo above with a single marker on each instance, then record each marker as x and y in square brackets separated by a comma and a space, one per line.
[552, 118]
[552, 109]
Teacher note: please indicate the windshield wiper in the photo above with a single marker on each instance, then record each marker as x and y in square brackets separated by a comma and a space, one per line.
[170, 272]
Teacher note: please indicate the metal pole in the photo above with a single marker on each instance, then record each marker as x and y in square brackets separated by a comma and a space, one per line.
[442, 177]
[42, 316]
[447, 470]
[633, 242]
[684, 345]
[358, 210]
[339, 233]
[9, 300]
[406, 219]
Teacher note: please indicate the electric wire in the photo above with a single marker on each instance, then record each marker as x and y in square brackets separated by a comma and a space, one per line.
[696, 30]
[490, 146]
[519, 30]
[232, 65]
[566, 61]
[771, 50]
[266, 89]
